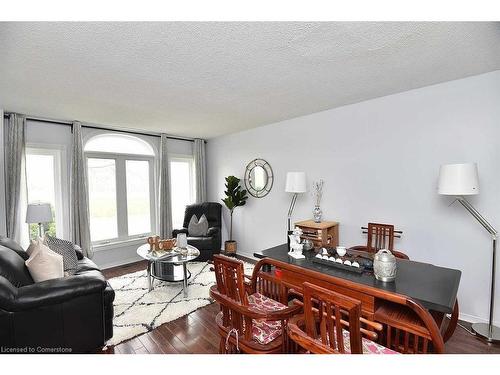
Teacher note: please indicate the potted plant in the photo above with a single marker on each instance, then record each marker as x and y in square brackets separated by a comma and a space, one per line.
[235, 197]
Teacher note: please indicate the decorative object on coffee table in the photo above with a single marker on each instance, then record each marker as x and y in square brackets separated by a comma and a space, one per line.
[317, 193]
[324, 234]
[154, 243]
[158, 264]
[460, 180]
[235, 197]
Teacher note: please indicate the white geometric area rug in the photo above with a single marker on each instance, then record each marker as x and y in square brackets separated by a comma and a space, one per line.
[137, 310]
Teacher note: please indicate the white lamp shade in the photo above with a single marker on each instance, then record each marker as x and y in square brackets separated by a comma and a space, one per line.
[38, 213]
[458, 179]
[296, 182]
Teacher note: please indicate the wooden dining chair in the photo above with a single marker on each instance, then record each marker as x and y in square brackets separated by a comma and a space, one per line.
[331, 323]
[380, 236]
[250, 321]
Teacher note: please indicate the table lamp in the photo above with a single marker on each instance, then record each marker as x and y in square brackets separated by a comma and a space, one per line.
[460, 180]
[39, 213]
[295, 183]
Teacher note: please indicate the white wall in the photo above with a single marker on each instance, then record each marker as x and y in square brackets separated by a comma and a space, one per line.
[380, 161]
[3, 229]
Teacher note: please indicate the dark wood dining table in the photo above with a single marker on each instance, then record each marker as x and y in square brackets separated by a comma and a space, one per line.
[435, 288]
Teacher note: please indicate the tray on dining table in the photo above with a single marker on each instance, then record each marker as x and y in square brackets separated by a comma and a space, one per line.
[341, 266]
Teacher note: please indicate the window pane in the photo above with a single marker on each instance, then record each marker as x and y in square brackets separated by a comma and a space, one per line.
[119, 144]
[181, 189]
[138, 197]
[102, 199]
[40, 183]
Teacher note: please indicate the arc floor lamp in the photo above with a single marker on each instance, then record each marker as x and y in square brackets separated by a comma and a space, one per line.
[461, 180]
[296, 184]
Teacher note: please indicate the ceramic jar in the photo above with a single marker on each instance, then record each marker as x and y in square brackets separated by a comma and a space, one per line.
[384, 265]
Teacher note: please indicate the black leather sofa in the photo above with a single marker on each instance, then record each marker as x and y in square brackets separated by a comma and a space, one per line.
[211, 243]
[70, 314]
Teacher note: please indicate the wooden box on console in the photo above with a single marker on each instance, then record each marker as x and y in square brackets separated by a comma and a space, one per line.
[324, 234]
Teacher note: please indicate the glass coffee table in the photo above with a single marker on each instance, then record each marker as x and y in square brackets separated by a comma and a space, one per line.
[170, 267]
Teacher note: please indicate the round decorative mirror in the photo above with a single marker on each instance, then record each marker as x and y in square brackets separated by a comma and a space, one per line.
[259, 178]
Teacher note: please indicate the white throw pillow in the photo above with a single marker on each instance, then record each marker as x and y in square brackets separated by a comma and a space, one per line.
[33, 245]
[44, 264]
[198, 228]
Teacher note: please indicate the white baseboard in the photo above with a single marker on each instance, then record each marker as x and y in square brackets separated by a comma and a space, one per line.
[120, 262]
[475, 319]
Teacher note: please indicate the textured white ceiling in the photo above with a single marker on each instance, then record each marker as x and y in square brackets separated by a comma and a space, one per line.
[212, 78]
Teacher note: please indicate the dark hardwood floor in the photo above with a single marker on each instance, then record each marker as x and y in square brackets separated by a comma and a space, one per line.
[197, 332]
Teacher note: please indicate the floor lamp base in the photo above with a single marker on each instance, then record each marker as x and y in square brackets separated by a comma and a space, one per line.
[483, 330]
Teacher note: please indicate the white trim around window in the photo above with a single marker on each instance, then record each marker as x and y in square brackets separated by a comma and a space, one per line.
[121, 197]
[61, 188]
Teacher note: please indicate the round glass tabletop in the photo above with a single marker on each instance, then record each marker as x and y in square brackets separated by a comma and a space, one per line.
[174, 256]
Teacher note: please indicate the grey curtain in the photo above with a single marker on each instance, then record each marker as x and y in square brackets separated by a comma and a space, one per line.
[79, 194]
[15, 174]
[200, 166]
[165, 203]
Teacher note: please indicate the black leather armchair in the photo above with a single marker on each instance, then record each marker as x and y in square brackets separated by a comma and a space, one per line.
[211, 243]
[73, 313]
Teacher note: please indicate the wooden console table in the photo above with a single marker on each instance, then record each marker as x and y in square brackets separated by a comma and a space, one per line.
[323, 234]
[416, 302]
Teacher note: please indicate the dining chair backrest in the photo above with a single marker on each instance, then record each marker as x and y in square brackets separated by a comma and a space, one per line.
[327, 314]
[380, 236]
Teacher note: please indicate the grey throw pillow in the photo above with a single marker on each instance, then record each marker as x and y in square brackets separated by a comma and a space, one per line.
[64, 248]
[198, 228]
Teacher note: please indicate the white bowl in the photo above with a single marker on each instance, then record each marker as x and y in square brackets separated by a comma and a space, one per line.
[341, 250]
[347, 262]
[355, 264]
[338, 260]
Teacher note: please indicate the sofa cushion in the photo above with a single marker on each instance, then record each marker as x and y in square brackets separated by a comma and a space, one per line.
[13, 245]
[368, 346]
[64, 248]
[45, 264]
[265, 331]
[198, 228]
[13, 269]
[86, 265]
[262, 331]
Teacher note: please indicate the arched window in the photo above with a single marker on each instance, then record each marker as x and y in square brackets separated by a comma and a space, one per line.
[121, 179]
[119, 144]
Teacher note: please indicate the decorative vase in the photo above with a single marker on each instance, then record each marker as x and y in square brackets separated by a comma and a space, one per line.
[384, 265]
[317, 214]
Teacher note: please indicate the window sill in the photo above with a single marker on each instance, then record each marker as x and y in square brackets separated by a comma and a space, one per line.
[117, 244]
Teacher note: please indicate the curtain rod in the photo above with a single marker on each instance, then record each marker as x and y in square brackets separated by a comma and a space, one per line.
[130, 131]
